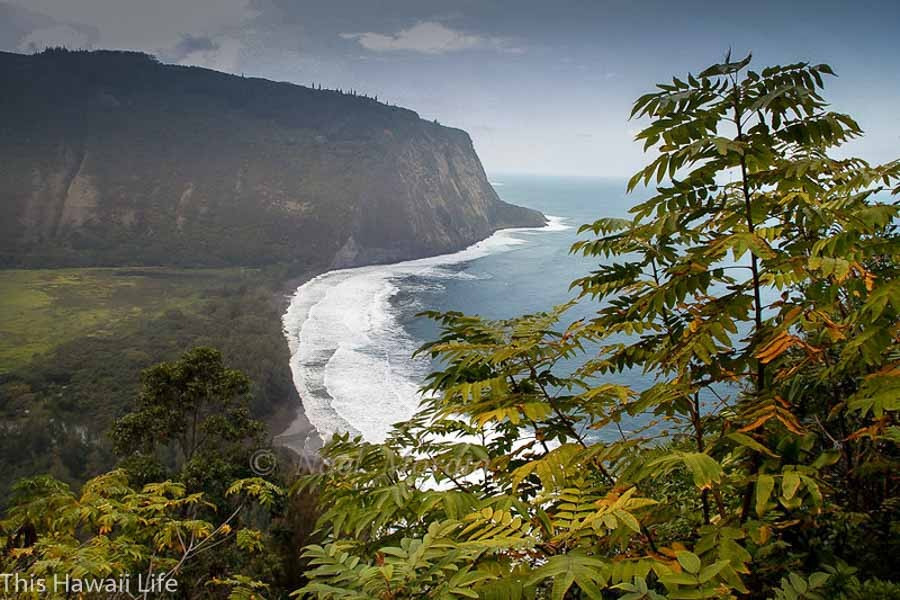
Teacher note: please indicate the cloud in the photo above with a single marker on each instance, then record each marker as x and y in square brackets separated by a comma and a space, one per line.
[222, 53]
[62, 34]
[195, 43]
[429, 37]
[24, 30]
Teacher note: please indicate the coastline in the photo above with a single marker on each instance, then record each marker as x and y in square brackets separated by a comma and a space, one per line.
[290, 427]
[295, 430]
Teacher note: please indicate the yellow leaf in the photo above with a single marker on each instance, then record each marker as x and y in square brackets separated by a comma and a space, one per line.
[869, 280]
[757, 423]
[789, 421]
[775, 347]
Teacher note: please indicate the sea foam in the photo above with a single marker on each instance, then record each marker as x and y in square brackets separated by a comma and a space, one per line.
[351, 359]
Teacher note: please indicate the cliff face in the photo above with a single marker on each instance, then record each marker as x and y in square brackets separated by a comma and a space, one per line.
[112, 158]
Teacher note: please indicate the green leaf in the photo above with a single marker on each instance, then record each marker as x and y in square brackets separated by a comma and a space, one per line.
[745, 440]
[818, 579]
[689, 561]
[712, 570]
[704, 468]
[790, 483]
[629, 520]
[726, 68]
[764, 486]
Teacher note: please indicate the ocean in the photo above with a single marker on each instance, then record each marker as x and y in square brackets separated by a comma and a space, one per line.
[352, 332]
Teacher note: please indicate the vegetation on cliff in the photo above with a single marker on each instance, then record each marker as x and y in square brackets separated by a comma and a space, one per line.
[111, 159]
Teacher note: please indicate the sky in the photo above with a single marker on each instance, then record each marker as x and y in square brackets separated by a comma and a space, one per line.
[542, 86]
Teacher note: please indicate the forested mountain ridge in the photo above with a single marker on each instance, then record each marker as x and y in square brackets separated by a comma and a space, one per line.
[111, 158]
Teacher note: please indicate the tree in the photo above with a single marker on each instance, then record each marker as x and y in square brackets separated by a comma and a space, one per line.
[186, 458]
[757, 285]
[58, 543]
[192, 420]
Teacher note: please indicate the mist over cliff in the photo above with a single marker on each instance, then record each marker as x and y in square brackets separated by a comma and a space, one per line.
[112, 158]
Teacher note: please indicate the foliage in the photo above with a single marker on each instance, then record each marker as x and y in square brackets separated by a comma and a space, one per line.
[58, 408]
[195, 408]
[111, 531]
[193, 427]
[757, 286]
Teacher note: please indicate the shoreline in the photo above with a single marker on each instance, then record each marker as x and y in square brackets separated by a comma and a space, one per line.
[294, 431]
[290, 421]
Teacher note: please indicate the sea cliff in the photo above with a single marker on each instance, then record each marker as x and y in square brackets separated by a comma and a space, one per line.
[112, 158]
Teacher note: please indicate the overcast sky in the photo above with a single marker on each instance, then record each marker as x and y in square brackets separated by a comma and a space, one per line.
[543, 86]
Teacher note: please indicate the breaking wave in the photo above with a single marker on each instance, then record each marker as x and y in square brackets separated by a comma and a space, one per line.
[351, 357]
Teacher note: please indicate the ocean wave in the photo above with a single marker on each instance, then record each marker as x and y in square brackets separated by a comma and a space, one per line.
[350, 356]
[556, 224]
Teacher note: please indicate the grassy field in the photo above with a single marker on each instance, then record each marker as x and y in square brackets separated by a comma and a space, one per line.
[42, 309]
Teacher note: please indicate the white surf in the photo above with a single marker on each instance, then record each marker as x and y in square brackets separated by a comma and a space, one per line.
[351, 359]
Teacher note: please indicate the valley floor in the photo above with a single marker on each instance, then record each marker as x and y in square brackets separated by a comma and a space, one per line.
[73, 343]
[41, 309]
